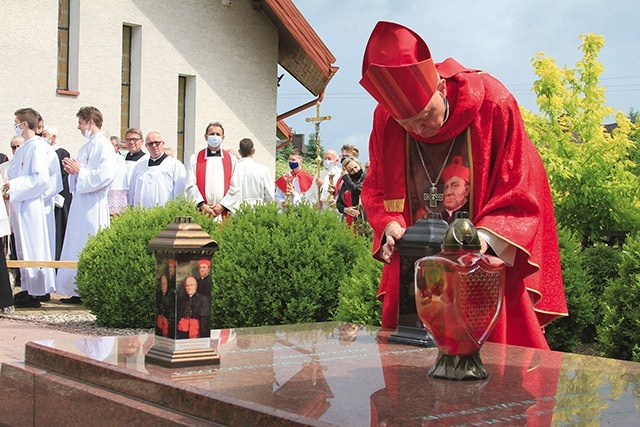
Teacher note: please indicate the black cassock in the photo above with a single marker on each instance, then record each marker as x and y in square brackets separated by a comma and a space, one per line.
[61, 213]
[6, 293]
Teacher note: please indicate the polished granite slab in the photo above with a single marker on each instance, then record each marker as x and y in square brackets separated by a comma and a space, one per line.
[346, 375]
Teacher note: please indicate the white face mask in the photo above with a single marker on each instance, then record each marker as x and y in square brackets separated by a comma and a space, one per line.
[18, 130]
[328, 164]
[214, 141]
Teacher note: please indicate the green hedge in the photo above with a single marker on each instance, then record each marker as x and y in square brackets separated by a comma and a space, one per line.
[284, 267]
[358, 293]
[116, 270]
[272, 268]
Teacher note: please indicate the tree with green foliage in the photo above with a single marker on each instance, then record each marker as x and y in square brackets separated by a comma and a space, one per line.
[312, 148]
[282, 162]
[619, 333]
[590, 170]
[634, 152]
[567, 333]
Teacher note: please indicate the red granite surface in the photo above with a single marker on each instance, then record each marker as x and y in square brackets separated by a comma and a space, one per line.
[316, 374]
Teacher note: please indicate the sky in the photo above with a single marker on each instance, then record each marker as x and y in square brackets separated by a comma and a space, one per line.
[498, 36]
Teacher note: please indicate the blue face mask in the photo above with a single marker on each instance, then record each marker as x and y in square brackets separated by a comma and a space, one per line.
[214, 141]
[294, 165]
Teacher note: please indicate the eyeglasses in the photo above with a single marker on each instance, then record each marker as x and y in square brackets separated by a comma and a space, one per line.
[14, 147]
[153, 143]
[132, 139]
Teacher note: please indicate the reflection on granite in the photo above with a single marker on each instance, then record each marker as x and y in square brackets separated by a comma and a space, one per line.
[334, 373]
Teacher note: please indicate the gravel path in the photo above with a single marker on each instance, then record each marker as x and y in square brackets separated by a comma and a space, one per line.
[73, 323]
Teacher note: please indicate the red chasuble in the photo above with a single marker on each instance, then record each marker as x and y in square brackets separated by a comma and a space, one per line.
[201, 171]
[510, 198]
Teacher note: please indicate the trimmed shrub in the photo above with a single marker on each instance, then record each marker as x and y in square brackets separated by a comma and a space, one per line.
[283, 267]
[272, 268]
[358, 301]
[568, 332]
[116, 270]
[619, 333]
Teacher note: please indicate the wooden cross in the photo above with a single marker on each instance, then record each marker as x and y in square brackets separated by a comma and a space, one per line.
[434, 197]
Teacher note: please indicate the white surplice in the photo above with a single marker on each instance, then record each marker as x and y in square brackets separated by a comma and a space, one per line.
[214, 180]
[55, 187]
[155, 185]
[118, 193]
[90, 206]
[328, 176]
[31, 179]
[131, 164]
[255, 182]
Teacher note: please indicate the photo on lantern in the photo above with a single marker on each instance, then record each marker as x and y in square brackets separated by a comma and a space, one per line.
[194, 300]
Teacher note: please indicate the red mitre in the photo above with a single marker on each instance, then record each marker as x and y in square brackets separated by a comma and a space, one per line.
[398, 70]
[456, 168]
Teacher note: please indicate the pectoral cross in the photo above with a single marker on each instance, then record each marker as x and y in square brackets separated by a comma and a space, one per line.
[434, 197]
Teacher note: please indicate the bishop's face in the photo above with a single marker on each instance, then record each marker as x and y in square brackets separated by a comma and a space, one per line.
[428, 122]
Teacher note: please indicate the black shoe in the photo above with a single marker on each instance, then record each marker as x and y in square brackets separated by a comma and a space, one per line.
[44, 298]
[28, 302]
[20, 296]
[71, 300]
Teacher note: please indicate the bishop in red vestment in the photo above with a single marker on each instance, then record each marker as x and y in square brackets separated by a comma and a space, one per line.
[428, 115]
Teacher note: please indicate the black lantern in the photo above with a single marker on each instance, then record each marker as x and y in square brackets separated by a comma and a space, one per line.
[424, 238]
[183, 296]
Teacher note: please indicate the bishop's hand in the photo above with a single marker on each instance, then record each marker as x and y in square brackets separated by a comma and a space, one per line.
[393, 233]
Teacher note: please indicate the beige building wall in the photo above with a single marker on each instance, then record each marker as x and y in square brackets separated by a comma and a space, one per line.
[228, 53]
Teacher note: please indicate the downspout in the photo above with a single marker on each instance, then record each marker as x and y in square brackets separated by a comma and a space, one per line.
[296, 110]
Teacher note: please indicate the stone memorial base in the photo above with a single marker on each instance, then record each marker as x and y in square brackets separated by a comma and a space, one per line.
[308, 375]
[172, 353]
